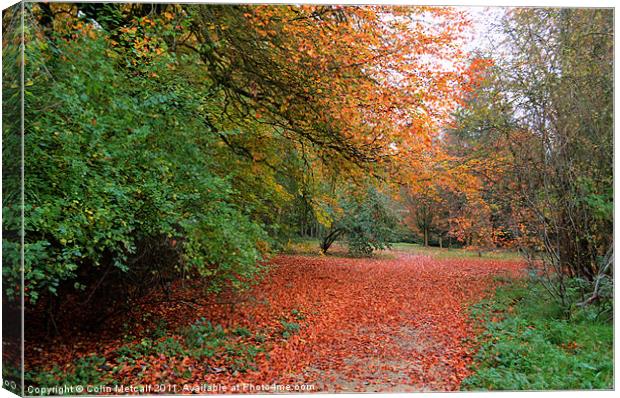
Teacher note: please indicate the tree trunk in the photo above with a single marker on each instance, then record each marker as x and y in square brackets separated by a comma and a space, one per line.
[330, 239]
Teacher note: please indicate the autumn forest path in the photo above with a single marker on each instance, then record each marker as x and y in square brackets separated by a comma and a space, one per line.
[394, 325]
[396, 322]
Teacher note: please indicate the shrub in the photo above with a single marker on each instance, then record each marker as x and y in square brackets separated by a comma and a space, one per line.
[366, 221]
[120, 167]
[242, 332]
[531, 346]
[203, 335]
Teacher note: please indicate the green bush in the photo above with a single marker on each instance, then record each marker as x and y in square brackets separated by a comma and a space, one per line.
[204, 339]
[169, 347]
[528, 345]
[203, 335]
[242, 332]
[371, 222]
[366, 220]
[118, 159]
[298, 314]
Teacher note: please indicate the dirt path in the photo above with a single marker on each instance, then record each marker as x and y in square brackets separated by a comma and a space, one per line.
[383, 324]
[391, 325]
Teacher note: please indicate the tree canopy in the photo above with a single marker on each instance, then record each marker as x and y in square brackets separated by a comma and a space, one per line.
[165, 141]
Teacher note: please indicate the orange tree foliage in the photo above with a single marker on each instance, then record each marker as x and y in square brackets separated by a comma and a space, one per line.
[368, 83]
[370, 86]
[447, 193]
[274, 91]
[477, 140]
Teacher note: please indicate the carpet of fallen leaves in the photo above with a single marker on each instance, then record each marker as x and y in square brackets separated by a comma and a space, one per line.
[381, 324]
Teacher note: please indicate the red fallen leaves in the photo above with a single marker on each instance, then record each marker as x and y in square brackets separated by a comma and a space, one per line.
[365, 324]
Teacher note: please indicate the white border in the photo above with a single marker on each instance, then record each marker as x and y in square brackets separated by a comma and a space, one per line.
[483, 3]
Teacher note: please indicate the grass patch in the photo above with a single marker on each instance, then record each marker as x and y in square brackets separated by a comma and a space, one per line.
[528, 345]
[445, 253]
[312, 247]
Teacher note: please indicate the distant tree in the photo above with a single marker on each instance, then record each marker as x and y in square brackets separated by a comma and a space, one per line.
[426, 213]
[366, 221]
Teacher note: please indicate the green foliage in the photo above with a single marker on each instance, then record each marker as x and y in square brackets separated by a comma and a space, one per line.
[242, 332]
[117, 158]
[289, 328]
[204, 339]
[12, 32]
[203, 333]
[243, 356]
[83, 372]
[370, 223]
[223, 244]
[200, 340]
[528, 345]
[599, 200]
[298, 315]
[160, 329]
[169, 347]
[366, 220]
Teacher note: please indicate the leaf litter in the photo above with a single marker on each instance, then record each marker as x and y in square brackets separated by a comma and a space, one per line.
[339, 324]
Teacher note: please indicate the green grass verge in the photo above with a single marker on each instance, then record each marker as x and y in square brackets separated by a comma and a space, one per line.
[311, 247]
[445, 253]
[528, 346]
